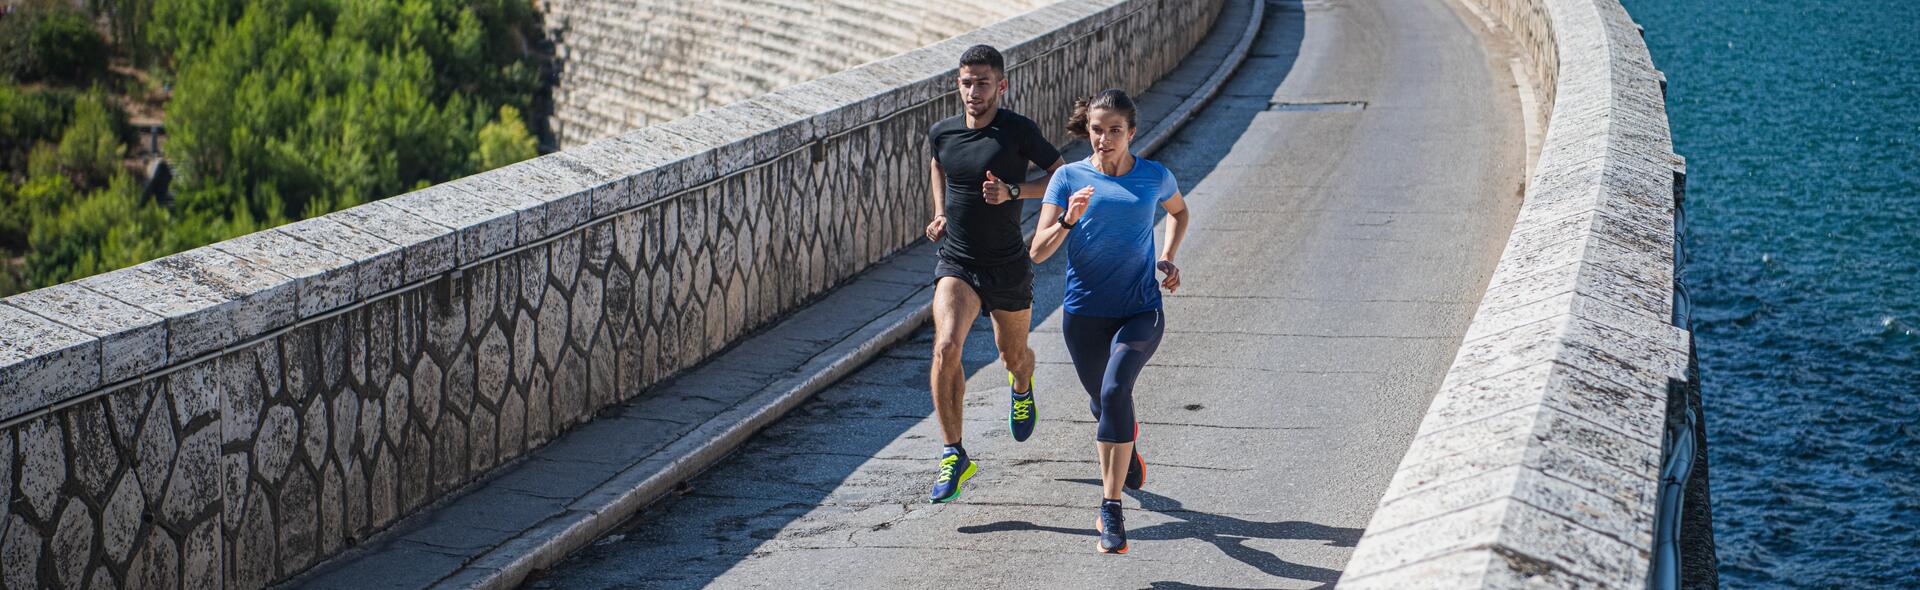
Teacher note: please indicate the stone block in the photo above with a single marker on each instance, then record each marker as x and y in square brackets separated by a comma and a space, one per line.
[43, 466]
[132, 340]
[94, 458]
[193, 490]
[548, 202]
[430, 248]
[689, 162]
[120, 519]
[20, 553]
[482, 226]
[43, 362]
[299, 521]
[71, 546]
[201, 558]
[323, 281]
[379, 265]
[157, 565]
[153, 454]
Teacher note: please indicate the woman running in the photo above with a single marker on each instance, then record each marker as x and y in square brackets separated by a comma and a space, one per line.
[1102, 209]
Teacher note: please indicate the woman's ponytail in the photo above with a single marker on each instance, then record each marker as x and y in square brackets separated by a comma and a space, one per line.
[1112, 99]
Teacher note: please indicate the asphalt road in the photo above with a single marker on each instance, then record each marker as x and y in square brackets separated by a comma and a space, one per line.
[1352, 189]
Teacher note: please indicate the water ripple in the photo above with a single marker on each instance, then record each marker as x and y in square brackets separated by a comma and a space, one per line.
[1802, 138]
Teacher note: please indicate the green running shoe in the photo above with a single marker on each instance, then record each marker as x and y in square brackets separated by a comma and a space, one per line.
[955, 469]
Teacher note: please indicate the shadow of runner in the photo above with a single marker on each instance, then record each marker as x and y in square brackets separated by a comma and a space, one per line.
[1227, 533]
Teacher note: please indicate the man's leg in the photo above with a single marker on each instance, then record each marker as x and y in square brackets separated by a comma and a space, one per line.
[1010, 329]
[955, 305]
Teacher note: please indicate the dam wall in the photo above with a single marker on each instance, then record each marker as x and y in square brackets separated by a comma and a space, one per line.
[626, 64]
[1540, 461]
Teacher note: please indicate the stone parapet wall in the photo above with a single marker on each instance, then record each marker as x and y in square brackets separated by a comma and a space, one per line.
[626, 64]
[229, 416]
[1538, 462]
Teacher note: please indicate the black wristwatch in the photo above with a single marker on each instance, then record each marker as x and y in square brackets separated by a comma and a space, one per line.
[1013, 188]
[1063, 221]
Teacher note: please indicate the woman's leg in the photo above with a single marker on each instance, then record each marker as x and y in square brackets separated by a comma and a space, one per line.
[1089, 340]
[1131, 346]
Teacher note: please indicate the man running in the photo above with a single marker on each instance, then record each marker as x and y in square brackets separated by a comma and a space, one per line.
[978, 159]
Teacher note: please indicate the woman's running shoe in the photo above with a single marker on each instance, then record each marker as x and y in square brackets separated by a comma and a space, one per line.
[1113, 528]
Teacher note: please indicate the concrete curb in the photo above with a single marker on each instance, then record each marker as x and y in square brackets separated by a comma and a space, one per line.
[508, 565]
[619, 498]
[1163, 132]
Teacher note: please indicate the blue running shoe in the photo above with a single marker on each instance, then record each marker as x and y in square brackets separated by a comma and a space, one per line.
[1021, 413]
[1112, 527]
[955, 469]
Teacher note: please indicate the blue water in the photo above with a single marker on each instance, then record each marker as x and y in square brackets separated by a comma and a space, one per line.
[1799, 121]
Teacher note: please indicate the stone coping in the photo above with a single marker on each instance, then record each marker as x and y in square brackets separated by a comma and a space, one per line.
[67, 343]
[1537, 463]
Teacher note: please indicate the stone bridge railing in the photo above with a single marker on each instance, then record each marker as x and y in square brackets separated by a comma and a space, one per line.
[1539, 461]
[231, 415]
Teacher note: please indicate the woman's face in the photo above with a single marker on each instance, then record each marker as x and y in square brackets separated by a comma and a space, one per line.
[1108, 131]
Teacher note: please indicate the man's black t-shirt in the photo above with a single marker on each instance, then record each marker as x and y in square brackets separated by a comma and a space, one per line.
[979, 234]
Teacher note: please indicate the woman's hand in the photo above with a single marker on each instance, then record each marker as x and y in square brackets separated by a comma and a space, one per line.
[1172, 282]
[1077, 204]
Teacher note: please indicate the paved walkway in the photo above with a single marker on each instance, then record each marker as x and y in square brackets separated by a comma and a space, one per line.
[490, 533]
[1352, 189]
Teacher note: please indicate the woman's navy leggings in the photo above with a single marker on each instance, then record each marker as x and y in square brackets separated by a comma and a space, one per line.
[1108, 353]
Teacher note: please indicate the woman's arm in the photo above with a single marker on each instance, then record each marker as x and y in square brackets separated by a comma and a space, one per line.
[1051, 234]
[1177, 218]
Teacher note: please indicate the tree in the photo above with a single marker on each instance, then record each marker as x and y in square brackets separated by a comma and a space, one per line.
[107, 229]
[90, 149]
[504, 141]
[51, 42]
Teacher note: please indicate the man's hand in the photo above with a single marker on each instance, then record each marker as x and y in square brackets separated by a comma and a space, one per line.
[937, 229]
[1077, 204]
[995, 191]
[1172, 282]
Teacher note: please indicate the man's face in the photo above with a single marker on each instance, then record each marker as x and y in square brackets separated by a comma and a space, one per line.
[980, 88]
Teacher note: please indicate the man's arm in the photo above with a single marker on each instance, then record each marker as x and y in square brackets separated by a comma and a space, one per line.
[995, 190]
[1037, 188]
[937, 228]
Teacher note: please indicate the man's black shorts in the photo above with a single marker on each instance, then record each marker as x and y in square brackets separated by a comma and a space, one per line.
[1006, 287]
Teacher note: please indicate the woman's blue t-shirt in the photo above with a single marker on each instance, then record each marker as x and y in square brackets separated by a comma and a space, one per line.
[1110, 251]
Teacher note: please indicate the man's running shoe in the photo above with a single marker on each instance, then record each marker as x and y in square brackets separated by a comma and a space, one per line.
[1021, 413]
[1113, 528]
[955, 469]
[1137, 467]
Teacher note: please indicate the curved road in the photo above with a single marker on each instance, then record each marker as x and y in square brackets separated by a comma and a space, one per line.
[1353, 187]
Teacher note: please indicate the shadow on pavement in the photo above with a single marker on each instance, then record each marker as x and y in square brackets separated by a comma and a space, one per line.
[1228, 533]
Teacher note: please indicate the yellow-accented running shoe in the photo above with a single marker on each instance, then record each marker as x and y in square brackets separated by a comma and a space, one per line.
[955, 469]
[1021, 413]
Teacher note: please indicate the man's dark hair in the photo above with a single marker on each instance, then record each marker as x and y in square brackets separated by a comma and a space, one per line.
[984, 55]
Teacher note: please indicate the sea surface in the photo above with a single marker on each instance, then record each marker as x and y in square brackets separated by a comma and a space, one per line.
[1800, 122]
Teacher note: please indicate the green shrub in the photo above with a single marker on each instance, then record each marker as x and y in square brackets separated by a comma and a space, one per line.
[29, 117]
[51, 42]
[505, 141]
[103, 230]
